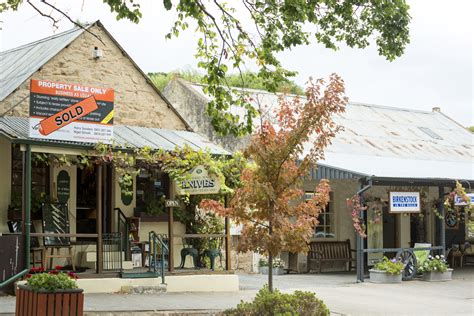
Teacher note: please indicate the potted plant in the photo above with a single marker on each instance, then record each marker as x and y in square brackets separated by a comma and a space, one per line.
[387, 271]
[435, 269]
[47, 292]
[278, 265]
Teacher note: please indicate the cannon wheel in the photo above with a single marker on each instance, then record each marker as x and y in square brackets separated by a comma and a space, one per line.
[409, 260]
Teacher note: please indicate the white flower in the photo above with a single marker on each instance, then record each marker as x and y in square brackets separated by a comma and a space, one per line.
[442, 256]
[437, 257]
[435, 268]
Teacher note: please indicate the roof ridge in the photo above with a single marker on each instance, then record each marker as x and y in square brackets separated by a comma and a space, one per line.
[51, 37]
[356, 103]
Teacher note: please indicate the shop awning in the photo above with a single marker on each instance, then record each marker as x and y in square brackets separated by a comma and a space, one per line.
[15, 129]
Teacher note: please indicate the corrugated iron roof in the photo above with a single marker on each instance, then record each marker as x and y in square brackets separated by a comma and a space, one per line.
[19, 63]
[16, 129]
[391, 142]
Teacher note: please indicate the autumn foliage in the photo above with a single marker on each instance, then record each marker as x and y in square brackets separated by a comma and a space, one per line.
[269, 204]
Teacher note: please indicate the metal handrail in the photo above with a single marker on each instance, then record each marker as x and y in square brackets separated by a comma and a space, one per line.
[122, 220]
[155, 240]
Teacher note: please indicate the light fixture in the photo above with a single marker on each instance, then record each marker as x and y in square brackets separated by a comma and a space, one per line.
[97, 53]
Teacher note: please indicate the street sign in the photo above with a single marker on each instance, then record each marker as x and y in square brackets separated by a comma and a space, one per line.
[171, 203]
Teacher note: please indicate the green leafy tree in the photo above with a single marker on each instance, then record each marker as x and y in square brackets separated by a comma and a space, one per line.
[225, 44]
[269, 203]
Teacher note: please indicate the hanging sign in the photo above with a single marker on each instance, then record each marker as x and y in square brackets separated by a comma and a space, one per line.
[171, 203]
[63, 183]
[405, 202]
[71, 112]
[199, 182]
[458, 200]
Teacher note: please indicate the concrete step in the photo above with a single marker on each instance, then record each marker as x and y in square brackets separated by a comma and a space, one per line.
[143, 289]
[157, 313]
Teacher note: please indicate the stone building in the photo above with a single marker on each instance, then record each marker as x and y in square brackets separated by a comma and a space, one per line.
[382, 148]
[141, 117]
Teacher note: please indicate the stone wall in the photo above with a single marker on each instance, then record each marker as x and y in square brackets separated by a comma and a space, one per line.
[136, 101]
[192, 106]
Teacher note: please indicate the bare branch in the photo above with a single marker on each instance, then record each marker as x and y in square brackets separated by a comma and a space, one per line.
[70, 20]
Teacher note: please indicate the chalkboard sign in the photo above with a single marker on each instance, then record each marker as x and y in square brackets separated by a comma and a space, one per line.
[55, 221]
[64, 187]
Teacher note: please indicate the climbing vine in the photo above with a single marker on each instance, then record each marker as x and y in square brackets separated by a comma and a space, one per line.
[176, 163]
[356, 208]
[458, 211]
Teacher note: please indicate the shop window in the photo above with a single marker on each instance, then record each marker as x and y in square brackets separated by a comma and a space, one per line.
[325, 228]
[152, 190]
[39, 180]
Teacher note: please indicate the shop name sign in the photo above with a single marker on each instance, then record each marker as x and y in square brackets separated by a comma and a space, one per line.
[71, 112]
[199, 181]
[459, 201]
[403, 202]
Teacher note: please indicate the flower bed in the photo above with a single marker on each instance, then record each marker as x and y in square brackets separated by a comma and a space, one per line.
[387, 271]
[278, 265]
[435, 269]
[49, 293]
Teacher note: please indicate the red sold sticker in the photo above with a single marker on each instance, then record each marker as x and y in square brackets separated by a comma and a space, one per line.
[68, 115]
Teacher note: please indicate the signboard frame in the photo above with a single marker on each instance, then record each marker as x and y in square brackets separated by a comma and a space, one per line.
[70, 112]
[198, 182]
[405, 209]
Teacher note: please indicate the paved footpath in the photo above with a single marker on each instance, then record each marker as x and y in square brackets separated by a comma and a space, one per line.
[342, 295]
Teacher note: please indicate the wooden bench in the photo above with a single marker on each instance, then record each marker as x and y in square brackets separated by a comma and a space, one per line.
[330, 251]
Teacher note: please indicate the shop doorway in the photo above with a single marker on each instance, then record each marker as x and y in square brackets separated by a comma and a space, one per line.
[389, 228]
[87, 200]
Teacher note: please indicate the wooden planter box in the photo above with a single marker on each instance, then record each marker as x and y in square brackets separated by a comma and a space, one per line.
[57, 303]
[377, 276]
[436, 276]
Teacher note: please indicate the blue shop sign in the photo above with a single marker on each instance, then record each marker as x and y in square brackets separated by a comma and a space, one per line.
[459, 201]
[404, 202]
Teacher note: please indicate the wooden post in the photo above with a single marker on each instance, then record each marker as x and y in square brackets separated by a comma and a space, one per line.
[228, 265]
[170, 240]
[171, 230]
[99, 257]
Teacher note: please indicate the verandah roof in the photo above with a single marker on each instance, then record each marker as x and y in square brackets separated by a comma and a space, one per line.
[127, 137]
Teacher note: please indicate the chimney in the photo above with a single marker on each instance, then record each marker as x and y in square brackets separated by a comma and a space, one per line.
[436, 109]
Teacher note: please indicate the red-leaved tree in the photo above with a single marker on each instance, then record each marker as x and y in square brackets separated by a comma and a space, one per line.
[270, 204]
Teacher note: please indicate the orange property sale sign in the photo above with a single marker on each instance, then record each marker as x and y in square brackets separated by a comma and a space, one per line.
[71, 112]
[67, 116]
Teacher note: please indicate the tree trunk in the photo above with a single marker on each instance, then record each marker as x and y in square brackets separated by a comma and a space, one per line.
[270, 262]
[270, 272]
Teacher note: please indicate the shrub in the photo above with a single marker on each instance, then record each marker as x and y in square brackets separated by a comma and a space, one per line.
[392, 266]
[40, 279]
[267, 303]
[437, 263]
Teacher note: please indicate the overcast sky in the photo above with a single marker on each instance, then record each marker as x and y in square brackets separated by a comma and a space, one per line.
[436, 69]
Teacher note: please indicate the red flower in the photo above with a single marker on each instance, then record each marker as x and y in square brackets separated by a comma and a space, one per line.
[28, 276]
[58, 267]
[53, 272]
